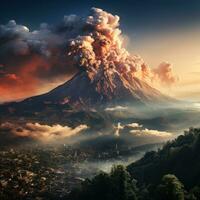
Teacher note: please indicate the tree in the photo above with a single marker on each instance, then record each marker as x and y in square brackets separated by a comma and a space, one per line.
[123, 188]
[116, 185]
[101, 187]
[194, 193]
[170, 188]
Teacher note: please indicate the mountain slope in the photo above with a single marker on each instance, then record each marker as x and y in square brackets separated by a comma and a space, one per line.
[105, 87]
[79, 98]
[102, 89]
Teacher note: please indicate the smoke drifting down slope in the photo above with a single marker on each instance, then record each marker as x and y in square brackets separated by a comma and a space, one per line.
[93, 43]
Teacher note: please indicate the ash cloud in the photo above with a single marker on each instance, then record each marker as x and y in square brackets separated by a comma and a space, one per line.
[164, 72]
[30, 59]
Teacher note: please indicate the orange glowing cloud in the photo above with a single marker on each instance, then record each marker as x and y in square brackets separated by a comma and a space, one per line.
[24, 81]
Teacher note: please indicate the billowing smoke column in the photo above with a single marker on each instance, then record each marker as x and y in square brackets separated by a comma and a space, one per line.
[92, 43]
[101, 48]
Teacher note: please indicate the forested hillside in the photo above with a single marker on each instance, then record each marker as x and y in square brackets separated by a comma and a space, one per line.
[171, 173]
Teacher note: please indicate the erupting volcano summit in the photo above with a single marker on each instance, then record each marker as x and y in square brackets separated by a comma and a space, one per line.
[106, 74]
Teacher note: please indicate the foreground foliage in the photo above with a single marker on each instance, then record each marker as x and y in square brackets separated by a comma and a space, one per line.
[116, 185]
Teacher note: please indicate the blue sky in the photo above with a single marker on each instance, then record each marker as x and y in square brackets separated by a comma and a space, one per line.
[140, 16]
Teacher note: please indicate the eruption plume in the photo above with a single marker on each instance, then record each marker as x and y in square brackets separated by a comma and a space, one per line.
[94, 43]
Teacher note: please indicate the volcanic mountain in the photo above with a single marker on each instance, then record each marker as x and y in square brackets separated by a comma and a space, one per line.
[107, 75]
[107, 87]
[85, 94]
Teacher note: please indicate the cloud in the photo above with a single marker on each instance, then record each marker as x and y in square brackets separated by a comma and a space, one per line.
[148, 133]
[116, 108]
[92, 43]
[45, 133]
[164, 73]
[134, 125]
[137, 130]
[36, 58]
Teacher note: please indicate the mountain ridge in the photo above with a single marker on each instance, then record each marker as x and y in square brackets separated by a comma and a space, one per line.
[102, 89]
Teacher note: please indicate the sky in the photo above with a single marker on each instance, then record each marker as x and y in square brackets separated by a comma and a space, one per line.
[157, 30]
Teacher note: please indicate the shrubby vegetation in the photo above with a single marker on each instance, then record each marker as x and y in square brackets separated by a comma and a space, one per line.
[170, 188]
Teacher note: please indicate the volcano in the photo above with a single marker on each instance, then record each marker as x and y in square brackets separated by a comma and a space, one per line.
[81, 96]
[105, 88]
[107, 76]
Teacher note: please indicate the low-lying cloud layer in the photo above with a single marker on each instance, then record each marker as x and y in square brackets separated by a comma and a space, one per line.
[116, 108]
[130, 134]
[45, 133]
[30, 59]
[147, 132]
[137, 130]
